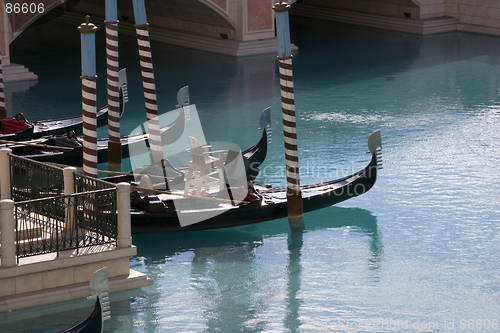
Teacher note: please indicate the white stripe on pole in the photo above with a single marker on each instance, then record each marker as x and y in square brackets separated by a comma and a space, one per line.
[294, 195]
[89, 99]
[3, 110]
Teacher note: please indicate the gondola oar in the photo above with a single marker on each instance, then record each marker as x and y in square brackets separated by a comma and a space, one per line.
[180, 194]
[111, 172]
[37, 145]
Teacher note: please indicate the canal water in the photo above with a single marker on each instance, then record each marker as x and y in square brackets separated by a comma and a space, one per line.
[419, 252]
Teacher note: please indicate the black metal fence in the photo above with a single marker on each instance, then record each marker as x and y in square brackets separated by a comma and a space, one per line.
[33, 180]
[84, 183]
[66, 222]
[48, 221]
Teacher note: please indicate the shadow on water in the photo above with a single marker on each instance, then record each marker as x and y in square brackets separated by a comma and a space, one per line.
[360, 219]
[157, 246]
[226, 258]
[223, 267]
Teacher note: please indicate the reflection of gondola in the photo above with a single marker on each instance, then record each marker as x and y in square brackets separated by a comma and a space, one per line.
[158, 214]
[157, 246]
[234, 260]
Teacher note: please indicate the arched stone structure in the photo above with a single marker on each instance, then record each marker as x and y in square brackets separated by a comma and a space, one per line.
[394, 8]
[245, 27]
[13, 24]
[233, 27]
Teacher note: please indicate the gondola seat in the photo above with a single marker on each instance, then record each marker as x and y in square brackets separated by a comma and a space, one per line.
[145, 182]
[160, 172]
[202, 162]
[14, 125]
[69, 140]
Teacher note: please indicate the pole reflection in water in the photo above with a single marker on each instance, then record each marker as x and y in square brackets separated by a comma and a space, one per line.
[295, 241]
[244, 279]
[256, 278]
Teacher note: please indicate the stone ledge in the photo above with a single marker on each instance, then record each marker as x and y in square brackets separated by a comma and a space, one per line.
[16, 72]
[477, 29]
[51, 261]
[71, 292]
[415, 26]
[51, 278]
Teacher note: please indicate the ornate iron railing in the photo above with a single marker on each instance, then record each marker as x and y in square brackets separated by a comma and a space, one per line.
[66, 222]
[33, 180]
[85, 184]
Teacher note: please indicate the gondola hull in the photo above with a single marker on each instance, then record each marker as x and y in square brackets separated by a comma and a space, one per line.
[272, 206]
[58, 126]
[74, 157]
[170, 133]
[253, 157]
[92, 324]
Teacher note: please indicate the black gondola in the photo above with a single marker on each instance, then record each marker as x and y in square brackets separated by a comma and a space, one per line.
[99, 290]
[253, 157]
[18, 128]
[68, 149]
[157, 213]
[92, 324]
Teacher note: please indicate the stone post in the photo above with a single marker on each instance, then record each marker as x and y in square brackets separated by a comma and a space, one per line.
[8, 237]
[5, 188]
[69, 188]
[124, 221]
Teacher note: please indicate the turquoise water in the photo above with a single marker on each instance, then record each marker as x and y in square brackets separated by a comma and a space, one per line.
[418, 252]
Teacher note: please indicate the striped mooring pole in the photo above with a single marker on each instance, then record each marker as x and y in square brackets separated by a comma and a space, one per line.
[293, 193]
[89, 110]
[148, 80]
[112, 69]
[3, 110]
